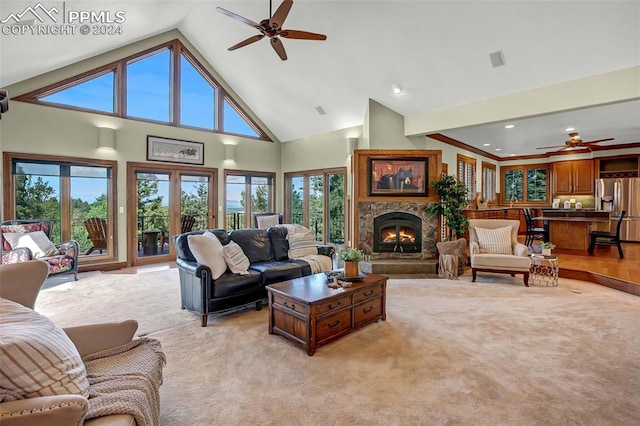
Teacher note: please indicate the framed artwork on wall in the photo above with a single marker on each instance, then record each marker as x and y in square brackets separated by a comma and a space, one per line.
[174, 150]
[398, 176]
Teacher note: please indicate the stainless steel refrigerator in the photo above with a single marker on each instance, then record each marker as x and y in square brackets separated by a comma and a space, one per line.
[617, 194]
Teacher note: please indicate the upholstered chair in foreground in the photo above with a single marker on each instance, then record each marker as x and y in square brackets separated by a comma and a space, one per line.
[494, 247]
[48, 372]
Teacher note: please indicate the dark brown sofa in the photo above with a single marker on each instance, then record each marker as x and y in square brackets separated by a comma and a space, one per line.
[267, 252]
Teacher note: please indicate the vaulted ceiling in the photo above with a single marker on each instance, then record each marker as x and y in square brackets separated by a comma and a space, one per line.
[437, 50]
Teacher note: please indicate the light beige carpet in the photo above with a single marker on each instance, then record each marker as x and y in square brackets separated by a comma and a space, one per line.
[450, 352]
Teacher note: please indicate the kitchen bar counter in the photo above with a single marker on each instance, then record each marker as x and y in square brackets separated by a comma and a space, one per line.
[569, 229]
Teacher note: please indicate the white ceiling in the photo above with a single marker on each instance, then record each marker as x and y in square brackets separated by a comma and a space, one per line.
[439, 52]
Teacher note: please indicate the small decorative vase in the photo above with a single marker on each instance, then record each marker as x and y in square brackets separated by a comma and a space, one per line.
[351, 269]
[546, 252]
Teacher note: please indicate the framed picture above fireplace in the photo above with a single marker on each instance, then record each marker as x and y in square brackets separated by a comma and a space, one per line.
[397, 176]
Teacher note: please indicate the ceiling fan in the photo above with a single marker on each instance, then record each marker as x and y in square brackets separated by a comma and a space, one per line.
[272, 28]
[575, 142]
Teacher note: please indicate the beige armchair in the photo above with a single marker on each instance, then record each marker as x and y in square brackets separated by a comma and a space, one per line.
[494, 249]
[21, 283]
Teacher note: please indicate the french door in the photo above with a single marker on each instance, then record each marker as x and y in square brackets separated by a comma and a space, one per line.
[163, 201]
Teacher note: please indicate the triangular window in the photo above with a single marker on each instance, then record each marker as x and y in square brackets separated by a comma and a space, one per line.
[234, 122]
[164, 84]
[95, 93]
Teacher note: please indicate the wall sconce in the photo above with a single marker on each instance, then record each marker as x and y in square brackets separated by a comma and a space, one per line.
[352, 143]
[106, 138]
[229, 152]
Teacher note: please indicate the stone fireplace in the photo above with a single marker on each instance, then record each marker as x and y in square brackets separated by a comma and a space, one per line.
[396, 230]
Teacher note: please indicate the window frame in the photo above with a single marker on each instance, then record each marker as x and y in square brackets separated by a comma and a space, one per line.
[489, 193]
[119, 67]
[305, 175]
[524, 168]
[470, 161]
[248, 220]
[9, 201]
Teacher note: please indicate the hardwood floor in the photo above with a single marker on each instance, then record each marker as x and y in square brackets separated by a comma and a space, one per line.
[604, 267]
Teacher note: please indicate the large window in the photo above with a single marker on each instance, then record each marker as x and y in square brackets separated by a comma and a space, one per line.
[525, 184]
[164, 84]
[316, 199]
[467, 174]
[489, 181]
[67, 191]
[247, 193]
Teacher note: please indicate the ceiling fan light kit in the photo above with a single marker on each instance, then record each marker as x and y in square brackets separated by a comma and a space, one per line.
[575, 142]
[272, 28]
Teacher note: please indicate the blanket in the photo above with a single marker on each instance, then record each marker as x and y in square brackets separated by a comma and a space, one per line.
[126, 380]
[318, 262]
[448, 266]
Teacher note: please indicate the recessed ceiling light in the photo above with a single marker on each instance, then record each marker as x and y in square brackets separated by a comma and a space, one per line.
[486, 144]
[498, 149]
[397, 89]
[569, 129]
[509, 126]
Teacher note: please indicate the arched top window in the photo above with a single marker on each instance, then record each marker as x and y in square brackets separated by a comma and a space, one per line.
[164, 84]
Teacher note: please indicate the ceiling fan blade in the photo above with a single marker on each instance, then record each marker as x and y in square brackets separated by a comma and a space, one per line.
[302, 35]
[278, 18]
[243, 43]
[597, 140]
[555, 146]
[279, 48]
[239, 18]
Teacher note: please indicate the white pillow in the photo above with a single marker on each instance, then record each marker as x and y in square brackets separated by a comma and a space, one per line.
[495, 241]
[267, 221]
[302, 244]
[237, 261]
[37, 242]
[207, 249]
[38, 358]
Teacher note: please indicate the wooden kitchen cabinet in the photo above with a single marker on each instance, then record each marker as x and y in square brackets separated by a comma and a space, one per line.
[573, 177]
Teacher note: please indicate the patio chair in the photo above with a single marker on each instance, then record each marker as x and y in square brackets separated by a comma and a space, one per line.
[97, 229]
[186, 225]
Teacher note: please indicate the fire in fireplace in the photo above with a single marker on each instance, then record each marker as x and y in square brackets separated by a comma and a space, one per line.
[397, 232]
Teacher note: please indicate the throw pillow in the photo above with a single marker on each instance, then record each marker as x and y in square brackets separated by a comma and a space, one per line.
[207, 250]
[495, 241]
[267, 221]
[38, 358]
[237, 261]
[302, 244]
[37, 242]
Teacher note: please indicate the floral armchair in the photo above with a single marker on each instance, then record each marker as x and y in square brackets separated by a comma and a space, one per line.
[61, 258]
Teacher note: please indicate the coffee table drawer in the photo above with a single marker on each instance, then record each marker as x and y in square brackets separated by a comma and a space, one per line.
[368, 311]
[367, 293]
[290, 304]
[333, 325]
[334, 304]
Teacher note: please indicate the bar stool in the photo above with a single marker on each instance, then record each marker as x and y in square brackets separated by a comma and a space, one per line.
[604, 238]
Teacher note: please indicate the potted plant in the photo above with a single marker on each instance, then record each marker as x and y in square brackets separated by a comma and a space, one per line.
[546, 247]
[351, 257]
[453, 199]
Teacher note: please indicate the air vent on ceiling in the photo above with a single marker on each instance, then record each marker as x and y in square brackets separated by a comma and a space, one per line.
[320, 110]
[497, 58]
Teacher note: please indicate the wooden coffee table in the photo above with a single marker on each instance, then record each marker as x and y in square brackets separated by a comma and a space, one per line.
[309, 313]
